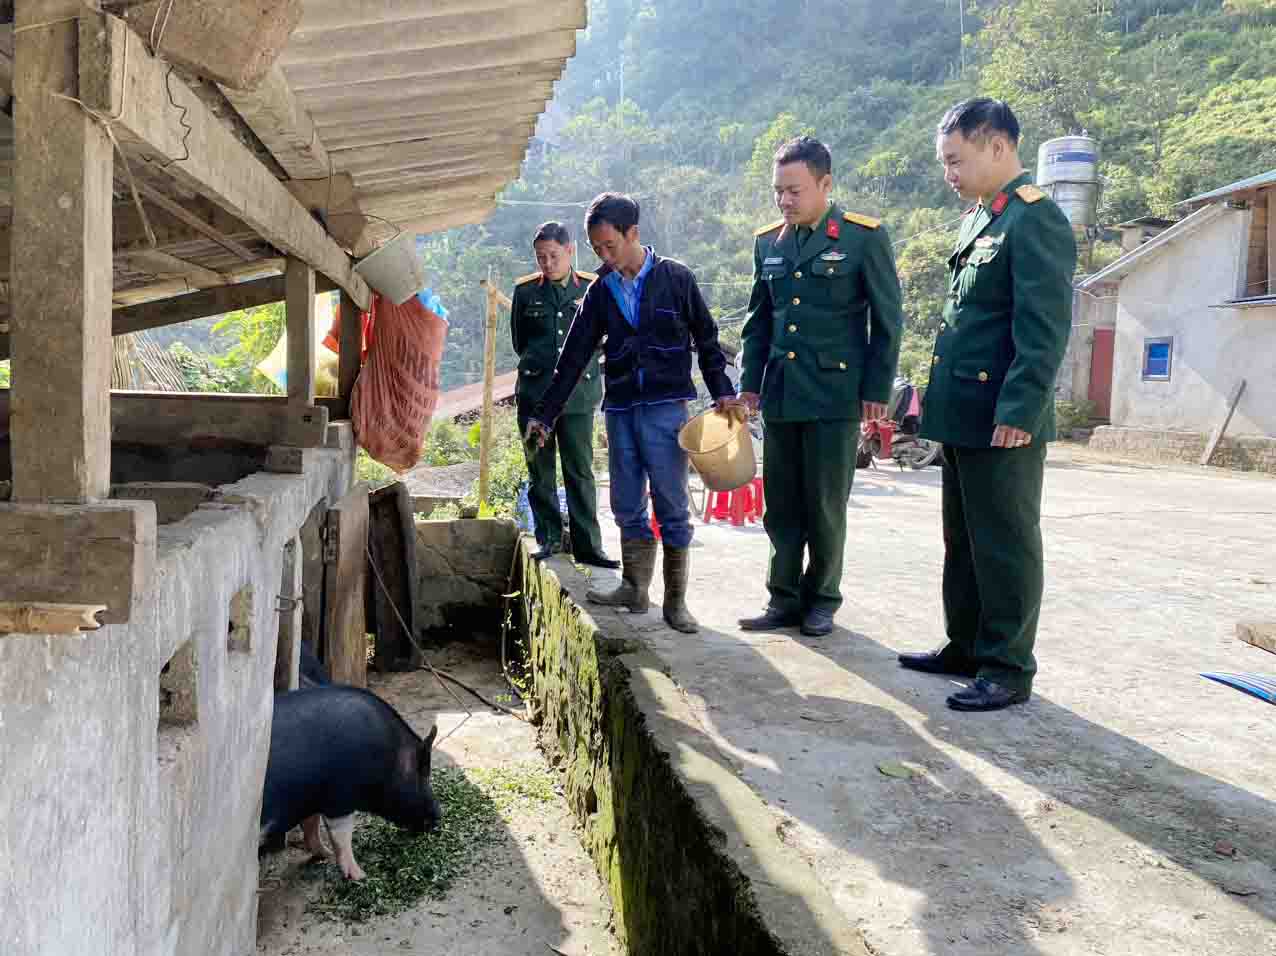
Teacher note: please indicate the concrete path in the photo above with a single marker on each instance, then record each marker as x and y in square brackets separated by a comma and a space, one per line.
[1129, 808]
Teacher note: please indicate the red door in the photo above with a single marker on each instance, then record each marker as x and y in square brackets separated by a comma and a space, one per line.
[1101, 373]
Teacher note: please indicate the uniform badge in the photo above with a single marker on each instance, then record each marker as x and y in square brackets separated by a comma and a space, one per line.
[833, 230]
[999, 204]
[773, 261]
[983, 242]
[833, 256]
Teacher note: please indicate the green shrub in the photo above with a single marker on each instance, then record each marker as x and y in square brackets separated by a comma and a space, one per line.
[446, 445]
[1070, 415]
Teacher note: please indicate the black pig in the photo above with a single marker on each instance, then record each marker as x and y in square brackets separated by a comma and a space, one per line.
[337, 749]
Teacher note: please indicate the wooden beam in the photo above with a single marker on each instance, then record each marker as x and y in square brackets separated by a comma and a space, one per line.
[1270, 196]
[559, 45]
[489, 375]
[200, 152]
[283, 125]
[351, 353]
[524, 21]
[190, 218]
[172, 288]
[230, 41]
[61, 255]
[299, 283]
[1232, 401]
[162, 264]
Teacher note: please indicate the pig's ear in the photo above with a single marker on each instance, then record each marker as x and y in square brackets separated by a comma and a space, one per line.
[429, 738]
[423, 756]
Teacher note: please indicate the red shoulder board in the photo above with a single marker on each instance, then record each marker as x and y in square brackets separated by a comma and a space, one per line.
[834, 230]
[999, 204]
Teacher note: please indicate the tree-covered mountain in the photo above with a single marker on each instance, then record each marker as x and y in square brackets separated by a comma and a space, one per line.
[681, 102]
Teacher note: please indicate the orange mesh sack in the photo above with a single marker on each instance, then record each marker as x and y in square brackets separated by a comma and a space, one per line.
[398, 389]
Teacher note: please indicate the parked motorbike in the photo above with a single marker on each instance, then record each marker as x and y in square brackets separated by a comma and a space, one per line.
[896, 437]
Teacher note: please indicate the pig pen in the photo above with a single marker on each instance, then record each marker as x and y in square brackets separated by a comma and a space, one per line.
[651, 845]
[532, 888]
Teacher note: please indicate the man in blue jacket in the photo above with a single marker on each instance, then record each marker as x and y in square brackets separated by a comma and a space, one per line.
[652, 315]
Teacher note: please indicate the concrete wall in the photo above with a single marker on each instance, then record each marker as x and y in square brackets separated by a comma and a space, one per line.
[463, 568]
[1172, 295]
[128, 827]
[1091, 309]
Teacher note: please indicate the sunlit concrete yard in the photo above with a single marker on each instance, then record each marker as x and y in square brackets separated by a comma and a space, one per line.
[1128, 808]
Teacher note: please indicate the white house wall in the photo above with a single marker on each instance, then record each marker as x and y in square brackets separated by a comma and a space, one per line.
[118, 841]
[1172, 295]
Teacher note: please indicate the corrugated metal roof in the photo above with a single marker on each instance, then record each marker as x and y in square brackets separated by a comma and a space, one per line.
[1254, 182]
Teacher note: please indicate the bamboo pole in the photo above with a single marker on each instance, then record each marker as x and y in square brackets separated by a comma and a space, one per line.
[489, 373]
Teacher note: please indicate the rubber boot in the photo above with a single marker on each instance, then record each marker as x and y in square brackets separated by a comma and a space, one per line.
[677, 569]
[638, 564]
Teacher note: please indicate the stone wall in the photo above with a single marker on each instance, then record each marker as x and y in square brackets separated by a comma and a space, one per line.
[463, 569]
[1242, 454]
[690, 855]
[133, 756]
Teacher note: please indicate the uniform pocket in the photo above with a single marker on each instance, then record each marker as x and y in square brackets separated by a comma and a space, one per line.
[979, 373]
[833, 361]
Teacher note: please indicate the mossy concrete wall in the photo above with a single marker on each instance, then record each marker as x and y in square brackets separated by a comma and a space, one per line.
[689, 853]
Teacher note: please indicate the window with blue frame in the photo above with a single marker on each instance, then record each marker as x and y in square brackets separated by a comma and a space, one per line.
[1158, 356]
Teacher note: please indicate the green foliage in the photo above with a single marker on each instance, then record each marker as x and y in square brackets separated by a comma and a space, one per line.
[507, 469]
[201, 372]
[4, 374]
[368, 469]
[253, 334]
[1070, 415]
[404, 868]
[444, 445]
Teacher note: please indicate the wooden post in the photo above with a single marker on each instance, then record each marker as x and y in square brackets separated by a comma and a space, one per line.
[489, 373]
[299, 284]
[351, 346]
[61, 268]
[1232, 401]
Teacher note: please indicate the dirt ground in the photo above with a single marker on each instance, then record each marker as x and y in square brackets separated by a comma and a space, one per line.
[535, 893]
[1129, 809]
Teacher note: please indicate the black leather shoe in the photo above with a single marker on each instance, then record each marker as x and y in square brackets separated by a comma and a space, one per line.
[547, 551]
[932, 662]
[771, 619]
[598, 561]
[818, 622]
[987, 695]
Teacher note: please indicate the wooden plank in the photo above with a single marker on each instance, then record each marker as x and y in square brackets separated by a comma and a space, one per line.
[345, 628]
[392, 545]
[312, 575]
[26, 617]
[163, 264]
[513, 123]
[291, 611]
[198, 224]
[427, 154]
[61, 282]
[78, 554]
[231, 41]
[1232, 401]
[1261, 634]
[299, 282]
[489, 374]
[1270, 196]
[322, 15]
[524, 21]
[559, 45]
[282, 124]
[165, 418]
[201, 153]
[350, 356]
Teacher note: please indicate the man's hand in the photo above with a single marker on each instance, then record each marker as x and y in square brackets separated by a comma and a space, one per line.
[1004, 436]
[732, 407]
[874, 411]
[750, 400]
[537, 434]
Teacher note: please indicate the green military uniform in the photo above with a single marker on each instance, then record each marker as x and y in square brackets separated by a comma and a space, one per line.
[822, 336]
[540, 317]
[1003, 336]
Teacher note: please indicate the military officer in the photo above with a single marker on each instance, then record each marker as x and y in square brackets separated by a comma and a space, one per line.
[991, 403]
[545, 303]
[820, 349]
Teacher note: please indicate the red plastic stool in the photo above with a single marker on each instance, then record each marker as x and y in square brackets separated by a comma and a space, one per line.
[743, 504]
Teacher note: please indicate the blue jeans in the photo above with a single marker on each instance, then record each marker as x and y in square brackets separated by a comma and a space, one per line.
[642, 445]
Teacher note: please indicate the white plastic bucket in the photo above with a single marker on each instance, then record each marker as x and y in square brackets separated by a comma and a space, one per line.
[395, 269]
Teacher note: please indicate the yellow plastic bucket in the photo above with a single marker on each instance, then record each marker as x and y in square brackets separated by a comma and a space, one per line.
[721, 449]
